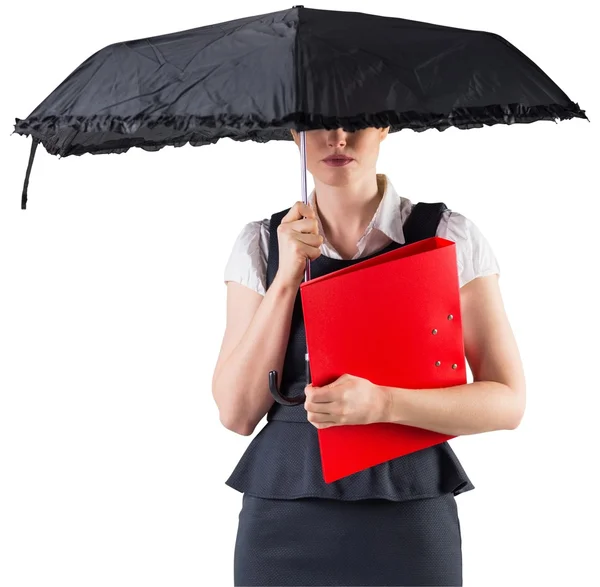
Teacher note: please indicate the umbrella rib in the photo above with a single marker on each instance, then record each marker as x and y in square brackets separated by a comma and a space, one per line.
[417, 93]
[225, 34]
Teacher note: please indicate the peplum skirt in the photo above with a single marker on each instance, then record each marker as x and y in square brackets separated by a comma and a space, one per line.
[283, 461]
[392, 524]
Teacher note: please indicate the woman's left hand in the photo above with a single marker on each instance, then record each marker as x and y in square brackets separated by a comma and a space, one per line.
[347, 400]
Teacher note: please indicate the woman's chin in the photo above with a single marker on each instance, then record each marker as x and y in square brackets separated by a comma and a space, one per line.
[339, 171]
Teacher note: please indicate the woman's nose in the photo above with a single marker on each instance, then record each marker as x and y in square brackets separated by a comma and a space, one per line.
[336, 138]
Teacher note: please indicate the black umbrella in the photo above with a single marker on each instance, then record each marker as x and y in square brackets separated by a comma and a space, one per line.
[256, 78]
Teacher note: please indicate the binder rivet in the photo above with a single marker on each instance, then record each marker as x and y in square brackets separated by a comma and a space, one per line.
[434, 331]
[437, 363]
[454, 366]
[450, 316]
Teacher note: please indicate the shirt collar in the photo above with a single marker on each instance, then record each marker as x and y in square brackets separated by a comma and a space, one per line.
[389, 216]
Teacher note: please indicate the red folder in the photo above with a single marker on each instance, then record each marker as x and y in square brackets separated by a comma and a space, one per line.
[395, 320]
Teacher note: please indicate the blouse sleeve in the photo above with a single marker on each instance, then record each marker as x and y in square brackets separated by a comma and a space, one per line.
[474, 254]
[247, 262]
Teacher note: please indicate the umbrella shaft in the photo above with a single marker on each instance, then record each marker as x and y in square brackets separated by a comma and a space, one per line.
[303, 188]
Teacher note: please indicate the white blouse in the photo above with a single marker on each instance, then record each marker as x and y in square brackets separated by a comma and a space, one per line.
[247, 262]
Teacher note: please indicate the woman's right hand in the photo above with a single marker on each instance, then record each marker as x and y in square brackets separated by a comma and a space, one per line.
[299, 239]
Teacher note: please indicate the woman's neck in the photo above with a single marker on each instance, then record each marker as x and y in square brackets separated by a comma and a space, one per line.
[346, 211]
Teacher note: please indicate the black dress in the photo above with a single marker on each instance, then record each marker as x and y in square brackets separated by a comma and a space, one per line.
[392, 524]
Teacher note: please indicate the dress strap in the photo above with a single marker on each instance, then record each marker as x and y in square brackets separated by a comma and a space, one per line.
[423, 221]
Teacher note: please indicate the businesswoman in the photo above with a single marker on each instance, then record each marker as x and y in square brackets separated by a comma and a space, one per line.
[395, 523]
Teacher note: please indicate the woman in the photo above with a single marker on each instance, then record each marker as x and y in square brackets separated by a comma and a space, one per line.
[395, 523]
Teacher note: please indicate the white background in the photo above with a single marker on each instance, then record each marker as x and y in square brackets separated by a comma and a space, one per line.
[112, 456]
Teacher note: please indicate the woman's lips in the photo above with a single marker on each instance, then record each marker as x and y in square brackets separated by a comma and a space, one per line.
[336, 162]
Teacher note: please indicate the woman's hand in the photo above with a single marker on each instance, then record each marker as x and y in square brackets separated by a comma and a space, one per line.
[347, 400]
[298, 240]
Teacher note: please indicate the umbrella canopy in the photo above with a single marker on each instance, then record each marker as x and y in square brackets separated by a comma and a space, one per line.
[255, 78]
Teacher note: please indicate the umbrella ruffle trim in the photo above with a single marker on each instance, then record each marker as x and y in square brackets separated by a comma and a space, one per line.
[74, 135]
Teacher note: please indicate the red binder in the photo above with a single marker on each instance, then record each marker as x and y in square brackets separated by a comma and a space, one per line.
[395, 320]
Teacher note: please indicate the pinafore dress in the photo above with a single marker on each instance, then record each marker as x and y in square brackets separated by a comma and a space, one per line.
[392, 524]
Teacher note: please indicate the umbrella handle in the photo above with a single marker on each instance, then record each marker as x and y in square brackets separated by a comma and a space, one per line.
[287, 401]
[273, 386]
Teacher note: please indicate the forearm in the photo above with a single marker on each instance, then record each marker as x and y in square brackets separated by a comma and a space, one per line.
[471, 408]
[241, 388]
